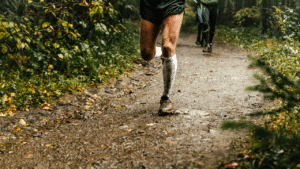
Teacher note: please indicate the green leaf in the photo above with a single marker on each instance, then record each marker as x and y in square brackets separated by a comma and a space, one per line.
[2, 35]
[61, 56]
[20, 46]
[27, 39]
[45, 24]
[56, 45]
[4, 48]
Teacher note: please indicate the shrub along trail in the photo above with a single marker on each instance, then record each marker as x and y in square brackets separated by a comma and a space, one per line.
[117, 126]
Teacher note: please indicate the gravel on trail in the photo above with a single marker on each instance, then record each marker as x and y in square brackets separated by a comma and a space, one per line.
[116, 125]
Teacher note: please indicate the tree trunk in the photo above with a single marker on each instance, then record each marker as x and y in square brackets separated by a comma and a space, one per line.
[238, 5]
[264, 16]
[250, 3]
[221, 11]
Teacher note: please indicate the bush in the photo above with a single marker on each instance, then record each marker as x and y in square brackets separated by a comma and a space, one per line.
[57, 46]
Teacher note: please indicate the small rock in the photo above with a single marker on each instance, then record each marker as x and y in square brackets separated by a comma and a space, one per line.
[111, 91]
[124, 127]
[208, 140]
[213, 132]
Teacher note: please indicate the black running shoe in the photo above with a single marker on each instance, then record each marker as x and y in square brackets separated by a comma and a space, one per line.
[166, 108]
[208, 49]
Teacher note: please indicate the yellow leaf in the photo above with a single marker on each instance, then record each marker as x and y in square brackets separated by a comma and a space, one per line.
[74, 35]
[50, 67]
[4, 98]
[45, 24]
[20, 45]
[56, 46]
[3, 137]
[12, 95]
[17, 130]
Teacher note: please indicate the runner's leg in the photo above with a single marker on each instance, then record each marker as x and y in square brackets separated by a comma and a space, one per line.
[149, 33]
[212, 22]
[200, 35]
[172, 25]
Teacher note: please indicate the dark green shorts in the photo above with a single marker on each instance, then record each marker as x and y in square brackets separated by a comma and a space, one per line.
[155, 11]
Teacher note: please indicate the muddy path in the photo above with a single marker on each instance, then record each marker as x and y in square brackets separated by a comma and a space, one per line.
[117, 126]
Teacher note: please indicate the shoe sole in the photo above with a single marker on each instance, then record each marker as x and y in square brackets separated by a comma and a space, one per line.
[164, 113]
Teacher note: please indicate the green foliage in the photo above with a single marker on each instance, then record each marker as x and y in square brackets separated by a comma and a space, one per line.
[57, 47]
[276, 144]
[286, 22]
[127, 9]
[190, 21]
[248, 16]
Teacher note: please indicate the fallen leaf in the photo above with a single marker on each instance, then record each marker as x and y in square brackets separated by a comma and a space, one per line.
[49, 145]
[170, 142]
[90, 100]
[232, 165]
[119, 107]
[3, 115]
[28, 156]
[47, 108]
[23, 122]
[3, 137]
[130, 130]
[141, 131]
[105, 147]
[17, 130]
[151, 124]
[87, 107]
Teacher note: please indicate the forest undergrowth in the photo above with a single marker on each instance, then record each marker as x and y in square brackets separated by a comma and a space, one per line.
[276, 143]
[50, 48]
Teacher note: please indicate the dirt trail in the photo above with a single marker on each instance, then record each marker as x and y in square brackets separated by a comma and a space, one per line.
[94, 130]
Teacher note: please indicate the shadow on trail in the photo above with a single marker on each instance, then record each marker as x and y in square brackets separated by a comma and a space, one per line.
[189, 46]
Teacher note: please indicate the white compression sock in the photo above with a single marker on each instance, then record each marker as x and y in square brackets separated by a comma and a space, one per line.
[169, 73]
[158, 52]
